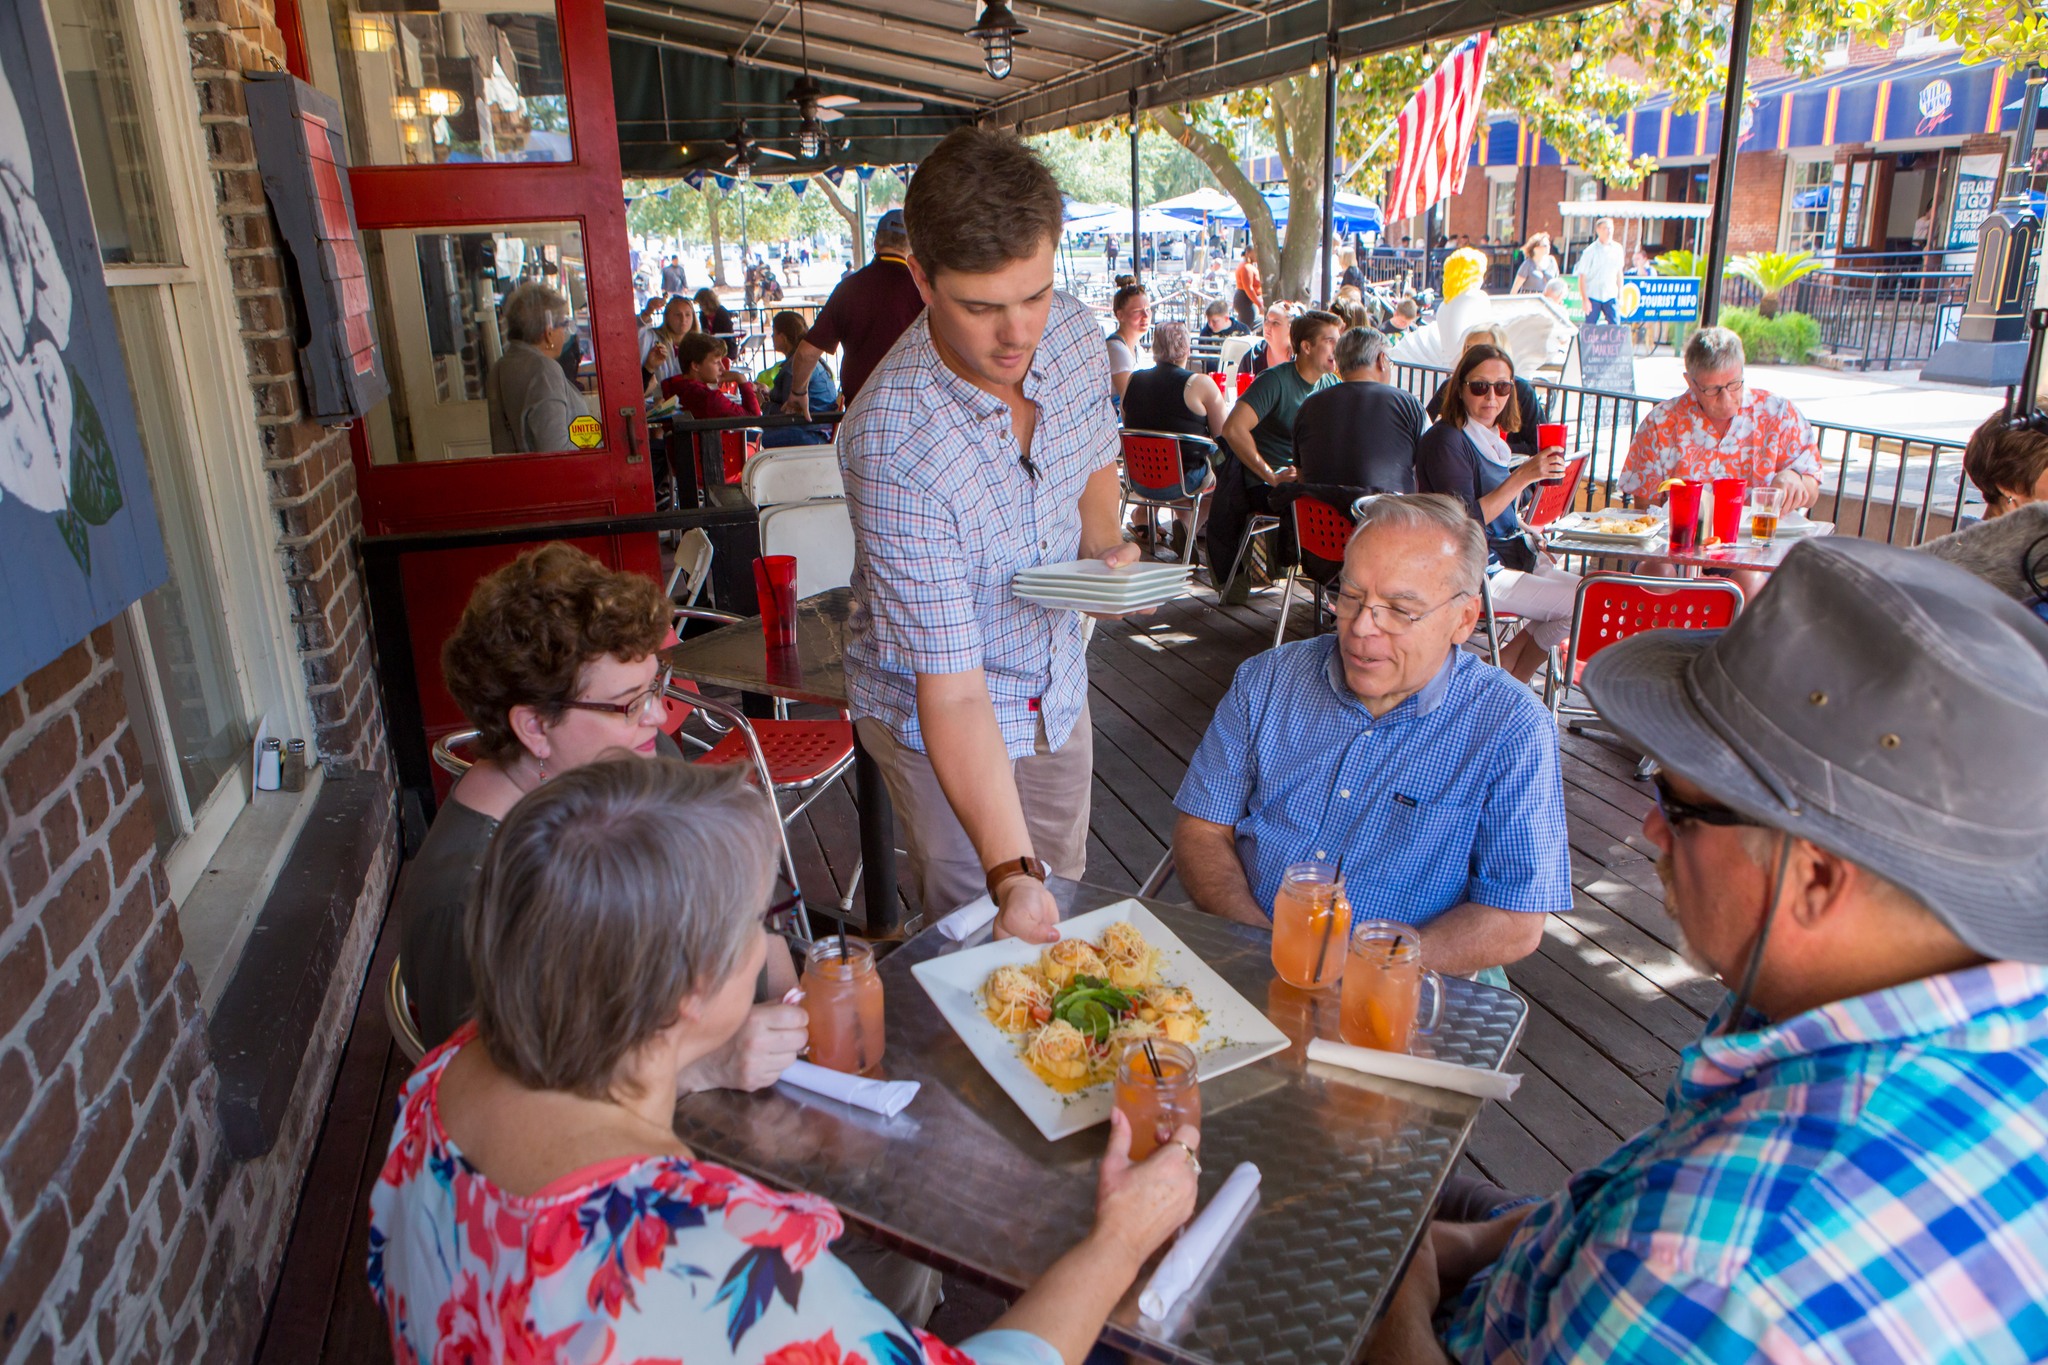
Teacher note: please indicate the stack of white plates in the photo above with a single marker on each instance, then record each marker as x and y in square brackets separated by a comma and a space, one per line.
[1091, 585]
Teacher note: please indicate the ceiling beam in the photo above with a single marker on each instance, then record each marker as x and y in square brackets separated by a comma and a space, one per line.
[677, 43]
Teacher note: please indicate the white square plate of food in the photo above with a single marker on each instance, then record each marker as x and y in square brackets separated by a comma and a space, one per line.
[1231, 1031]
[1618, 524]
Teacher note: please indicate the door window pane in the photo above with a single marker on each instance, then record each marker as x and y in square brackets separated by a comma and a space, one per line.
[456, 84]
[96, 48]
[203, 708]
[440, 301]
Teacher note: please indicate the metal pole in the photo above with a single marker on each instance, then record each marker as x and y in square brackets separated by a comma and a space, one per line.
[1329, 157]
[860, 211]
[1137, 263]
[1724, 167]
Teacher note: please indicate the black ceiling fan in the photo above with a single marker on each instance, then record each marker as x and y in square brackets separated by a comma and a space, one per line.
[815, 108]
[747, 150]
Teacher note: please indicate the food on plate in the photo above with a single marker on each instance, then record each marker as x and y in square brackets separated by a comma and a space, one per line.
[1069, 958]
[1076, 1007]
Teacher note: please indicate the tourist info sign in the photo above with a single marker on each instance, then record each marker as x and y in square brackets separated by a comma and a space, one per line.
[1659, 298]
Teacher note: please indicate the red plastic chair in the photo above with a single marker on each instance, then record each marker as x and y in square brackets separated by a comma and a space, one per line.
[1613, 606]
[1553, 502]
[1321, 531]
[735, 448]
[1152, 476]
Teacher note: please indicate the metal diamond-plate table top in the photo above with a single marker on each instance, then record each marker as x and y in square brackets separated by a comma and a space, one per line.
[736, 656]
[1349, 1164]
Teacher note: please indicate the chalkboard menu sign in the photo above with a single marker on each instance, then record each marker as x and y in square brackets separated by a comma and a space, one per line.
[1607, 357]
[305, 175]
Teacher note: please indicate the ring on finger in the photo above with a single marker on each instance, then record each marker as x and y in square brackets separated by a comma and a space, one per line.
[1194, 1162]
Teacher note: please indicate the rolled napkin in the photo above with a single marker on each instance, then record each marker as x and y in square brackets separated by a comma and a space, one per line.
[1199, 1242]
[1399, 1066]
[886, 1098]
[968, 919]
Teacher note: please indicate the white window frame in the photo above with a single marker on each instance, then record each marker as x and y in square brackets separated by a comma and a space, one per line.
[1788, 212]
[1836, 53]
[1920, 40]
[196, 303]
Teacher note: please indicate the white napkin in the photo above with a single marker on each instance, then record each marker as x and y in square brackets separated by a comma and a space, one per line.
[1199, 1242]
[968, 919]
[1399, 1066]
[887, 1098]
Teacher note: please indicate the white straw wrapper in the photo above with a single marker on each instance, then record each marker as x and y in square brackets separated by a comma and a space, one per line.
[1399, 1066]
[968, 919]
[887, 1098]
[1199, 1242]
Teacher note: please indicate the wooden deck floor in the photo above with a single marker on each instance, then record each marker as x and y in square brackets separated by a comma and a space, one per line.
[1611, 1001]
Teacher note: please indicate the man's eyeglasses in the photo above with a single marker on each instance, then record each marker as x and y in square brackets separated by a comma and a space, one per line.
[644, 708]
[1499, 388]
[1391, 620]
[1733, 389]
[1677, 810]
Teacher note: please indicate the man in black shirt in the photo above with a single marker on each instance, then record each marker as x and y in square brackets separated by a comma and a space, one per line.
[1361, 433]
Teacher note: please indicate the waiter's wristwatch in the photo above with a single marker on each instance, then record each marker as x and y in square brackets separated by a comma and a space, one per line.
[1015, 867]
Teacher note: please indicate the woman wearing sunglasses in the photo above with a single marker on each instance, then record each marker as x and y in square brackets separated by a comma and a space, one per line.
[1465, 455]
[554, 664]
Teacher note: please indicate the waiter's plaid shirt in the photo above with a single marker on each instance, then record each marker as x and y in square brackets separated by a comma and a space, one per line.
[1866, 1182]
[944, 515]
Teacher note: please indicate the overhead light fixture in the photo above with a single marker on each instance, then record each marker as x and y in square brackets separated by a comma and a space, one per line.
[810, 137]
[998, 31]
[438, 103]
[371, 33]
[404, 108]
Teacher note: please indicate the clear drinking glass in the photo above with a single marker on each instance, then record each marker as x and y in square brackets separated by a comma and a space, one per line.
[843, 997]
[1383, 984]
[1765, 504]
[1310, 918]
[1156, 1087]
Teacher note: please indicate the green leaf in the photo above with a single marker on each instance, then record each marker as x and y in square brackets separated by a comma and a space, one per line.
[95, 477]
[75, 533]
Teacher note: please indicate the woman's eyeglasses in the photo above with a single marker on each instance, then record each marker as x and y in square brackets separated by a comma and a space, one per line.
[643, 708]
[1499, 388]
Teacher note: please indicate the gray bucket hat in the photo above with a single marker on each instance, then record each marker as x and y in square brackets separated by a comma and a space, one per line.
[1887, 706]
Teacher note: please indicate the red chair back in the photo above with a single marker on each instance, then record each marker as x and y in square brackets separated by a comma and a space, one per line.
[1152, 462]
[1613, 607]
[1553, 502]
[1320, 529]
[735, 449]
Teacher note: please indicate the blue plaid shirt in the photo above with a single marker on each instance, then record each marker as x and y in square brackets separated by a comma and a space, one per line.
[944, 514]
[1452, 796]
[1866, 1182]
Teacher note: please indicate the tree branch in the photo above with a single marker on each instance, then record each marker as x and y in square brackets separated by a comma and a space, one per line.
[1221, 164]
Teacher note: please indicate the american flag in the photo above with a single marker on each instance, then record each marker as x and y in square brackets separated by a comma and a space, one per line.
[1435, 128]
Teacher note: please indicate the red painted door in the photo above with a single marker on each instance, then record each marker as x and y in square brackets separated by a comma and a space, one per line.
[484, 155]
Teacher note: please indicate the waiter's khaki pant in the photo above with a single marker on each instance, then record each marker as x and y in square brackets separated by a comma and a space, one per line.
[1052, 784]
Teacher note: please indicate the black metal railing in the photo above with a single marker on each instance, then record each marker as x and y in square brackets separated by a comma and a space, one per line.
[1875, 485]
[1873, 319]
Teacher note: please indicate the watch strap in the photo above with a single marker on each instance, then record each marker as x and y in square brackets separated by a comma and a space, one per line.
[1015, 867]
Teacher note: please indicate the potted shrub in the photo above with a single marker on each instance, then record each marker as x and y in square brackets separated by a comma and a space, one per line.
[1773, 272]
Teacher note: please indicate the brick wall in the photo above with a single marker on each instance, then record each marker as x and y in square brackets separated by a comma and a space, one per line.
[1759, 202]
[126, 1230]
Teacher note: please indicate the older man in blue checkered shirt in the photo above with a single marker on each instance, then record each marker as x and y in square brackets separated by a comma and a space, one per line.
[984, 443]
[1429, 775]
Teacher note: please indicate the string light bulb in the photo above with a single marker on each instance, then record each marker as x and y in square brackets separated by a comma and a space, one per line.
[998, 31]
[438, 103]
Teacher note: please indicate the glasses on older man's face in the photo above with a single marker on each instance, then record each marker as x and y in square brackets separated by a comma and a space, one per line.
[1388, 620]
[642, 708]
[1677, 810]
[1499, 388]
[1731, 389]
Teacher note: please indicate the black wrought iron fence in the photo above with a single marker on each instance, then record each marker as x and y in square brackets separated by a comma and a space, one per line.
[1873, 319]
[1889, 486]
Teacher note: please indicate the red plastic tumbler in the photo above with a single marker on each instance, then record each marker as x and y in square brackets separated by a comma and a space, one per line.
[1685, 516]
[1729, 496]
[775, 586]
[1551, 436]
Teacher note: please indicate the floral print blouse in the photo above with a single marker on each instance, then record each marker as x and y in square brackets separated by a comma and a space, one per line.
[652, 1260]
[1767, 437]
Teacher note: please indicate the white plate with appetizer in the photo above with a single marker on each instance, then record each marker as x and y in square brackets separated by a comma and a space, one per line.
[1049, 1022]
[1618, 524]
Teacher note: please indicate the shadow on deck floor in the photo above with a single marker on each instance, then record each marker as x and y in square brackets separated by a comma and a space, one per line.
[1611, 1002]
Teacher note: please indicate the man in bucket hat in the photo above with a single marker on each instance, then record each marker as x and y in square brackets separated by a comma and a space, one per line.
[1853, 1163]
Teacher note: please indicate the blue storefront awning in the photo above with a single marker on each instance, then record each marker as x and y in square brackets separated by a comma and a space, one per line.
[1935, 96]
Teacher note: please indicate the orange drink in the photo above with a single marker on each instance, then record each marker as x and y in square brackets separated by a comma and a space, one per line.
[1764, 506]
[1310, 920]
[1156, 1088]
[843, 997]
[1383, 983]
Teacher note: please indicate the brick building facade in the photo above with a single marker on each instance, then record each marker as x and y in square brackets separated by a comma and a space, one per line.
[131, 1226]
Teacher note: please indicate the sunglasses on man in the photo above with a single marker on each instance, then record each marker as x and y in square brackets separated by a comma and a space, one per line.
[1499, 388]
[1677, 810]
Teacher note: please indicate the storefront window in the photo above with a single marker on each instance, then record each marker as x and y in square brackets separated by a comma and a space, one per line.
[1500, 210]
[1807, 201]
[423, 88]
[440, 300]
[96, 47]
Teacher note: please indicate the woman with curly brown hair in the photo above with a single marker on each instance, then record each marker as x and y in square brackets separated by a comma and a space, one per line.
[554, 664]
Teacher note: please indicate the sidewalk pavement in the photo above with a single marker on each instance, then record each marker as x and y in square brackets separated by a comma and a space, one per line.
[1886, 400]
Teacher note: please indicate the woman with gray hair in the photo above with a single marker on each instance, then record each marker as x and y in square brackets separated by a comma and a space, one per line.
[536, 1193]
[1169, 397]
[529, 400]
